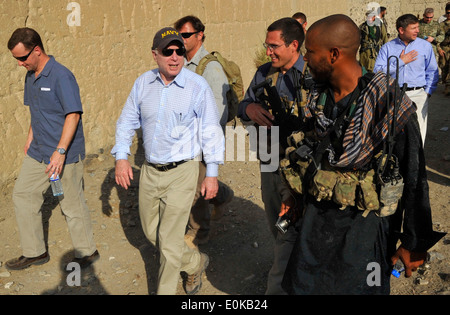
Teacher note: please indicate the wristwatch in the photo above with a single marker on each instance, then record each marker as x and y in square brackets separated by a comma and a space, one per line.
[61, 151]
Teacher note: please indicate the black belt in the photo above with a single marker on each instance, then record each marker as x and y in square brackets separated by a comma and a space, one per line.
[166, 167]
[414, 88]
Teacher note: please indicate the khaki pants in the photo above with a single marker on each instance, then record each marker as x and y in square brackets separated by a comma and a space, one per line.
[420, 97]
[28, 196]
[165, 200]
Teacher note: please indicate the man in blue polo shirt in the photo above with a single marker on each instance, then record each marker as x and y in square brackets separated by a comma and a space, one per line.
[55, 145]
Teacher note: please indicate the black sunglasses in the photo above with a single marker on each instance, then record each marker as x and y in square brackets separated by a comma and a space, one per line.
[24, 58]
[169, 52]
[187, 35]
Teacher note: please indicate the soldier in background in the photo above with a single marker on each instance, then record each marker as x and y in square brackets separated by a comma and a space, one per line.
[301, 18]
[383, 12]
[373, 36]
[444, 55]
[430, 30]
[443, 17]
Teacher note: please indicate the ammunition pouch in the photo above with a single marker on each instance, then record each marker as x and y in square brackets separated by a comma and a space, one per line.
[293, 172]
[346, 188]
[323, 184]
[367, 197]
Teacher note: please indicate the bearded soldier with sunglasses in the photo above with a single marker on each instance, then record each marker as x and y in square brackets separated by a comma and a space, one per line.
[177, 113]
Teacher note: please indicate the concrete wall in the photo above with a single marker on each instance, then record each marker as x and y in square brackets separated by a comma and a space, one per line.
[111, 48]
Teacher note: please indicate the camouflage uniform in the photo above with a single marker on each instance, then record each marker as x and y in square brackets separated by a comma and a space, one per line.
[432, 29]
[444, 62]
[372, 38]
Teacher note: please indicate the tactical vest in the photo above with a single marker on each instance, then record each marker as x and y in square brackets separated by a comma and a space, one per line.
[360, 188]
[299, 102]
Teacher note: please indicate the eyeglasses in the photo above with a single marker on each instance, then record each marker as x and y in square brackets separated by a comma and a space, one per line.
[169, 52]
[447, 12]
[428, 17]
[271, 47]
[24, 58]
[187, 35]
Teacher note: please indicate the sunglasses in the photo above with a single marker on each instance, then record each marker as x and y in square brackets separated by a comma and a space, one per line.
[187, 35]
[24, 58]
[166, 52]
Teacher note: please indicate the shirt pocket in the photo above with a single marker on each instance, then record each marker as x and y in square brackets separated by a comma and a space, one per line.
[182, 124]
[48, 101]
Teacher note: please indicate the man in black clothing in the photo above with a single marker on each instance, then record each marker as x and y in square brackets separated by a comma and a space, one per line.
[348, 245]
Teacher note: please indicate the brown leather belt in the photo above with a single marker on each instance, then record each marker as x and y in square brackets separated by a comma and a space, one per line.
[165, 167]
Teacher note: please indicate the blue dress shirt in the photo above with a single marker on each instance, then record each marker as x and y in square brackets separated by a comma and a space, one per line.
[179, 121]
[423, 72]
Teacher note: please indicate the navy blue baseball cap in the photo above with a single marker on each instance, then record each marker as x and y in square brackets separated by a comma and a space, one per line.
[166, 36]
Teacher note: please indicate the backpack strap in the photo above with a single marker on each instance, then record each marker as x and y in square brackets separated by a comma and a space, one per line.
[204, 62]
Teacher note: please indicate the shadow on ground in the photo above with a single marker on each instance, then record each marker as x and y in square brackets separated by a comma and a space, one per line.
[235, 240]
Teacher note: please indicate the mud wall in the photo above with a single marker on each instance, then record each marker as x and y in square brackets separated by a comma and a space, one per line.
[106, 44]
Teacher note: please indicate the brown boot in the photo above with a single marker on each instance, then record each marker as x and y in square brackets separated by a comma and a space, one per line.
[24, 262]
[194, 281]
[87, 260]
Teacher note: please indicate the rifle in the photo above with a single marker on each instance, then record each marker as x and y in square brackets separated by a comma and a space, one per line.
[389, 181]
[387, 156]
[269, 98]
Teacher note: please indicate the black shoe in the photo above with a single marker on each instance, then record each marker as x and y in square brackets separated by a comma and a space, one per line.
[24, 262]
[87, 260]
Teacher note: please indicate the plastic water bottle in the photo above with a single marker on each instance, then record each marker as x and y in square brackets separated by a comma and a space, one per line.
[55, 182]
[398, 269]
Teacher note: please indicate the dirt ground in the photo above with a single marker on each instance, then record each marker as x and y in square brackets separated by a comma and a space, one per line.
[240, 246]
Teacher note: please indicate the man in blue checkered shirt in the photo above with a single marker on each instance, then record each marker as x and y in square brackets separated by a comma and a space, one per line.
[177, 112]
